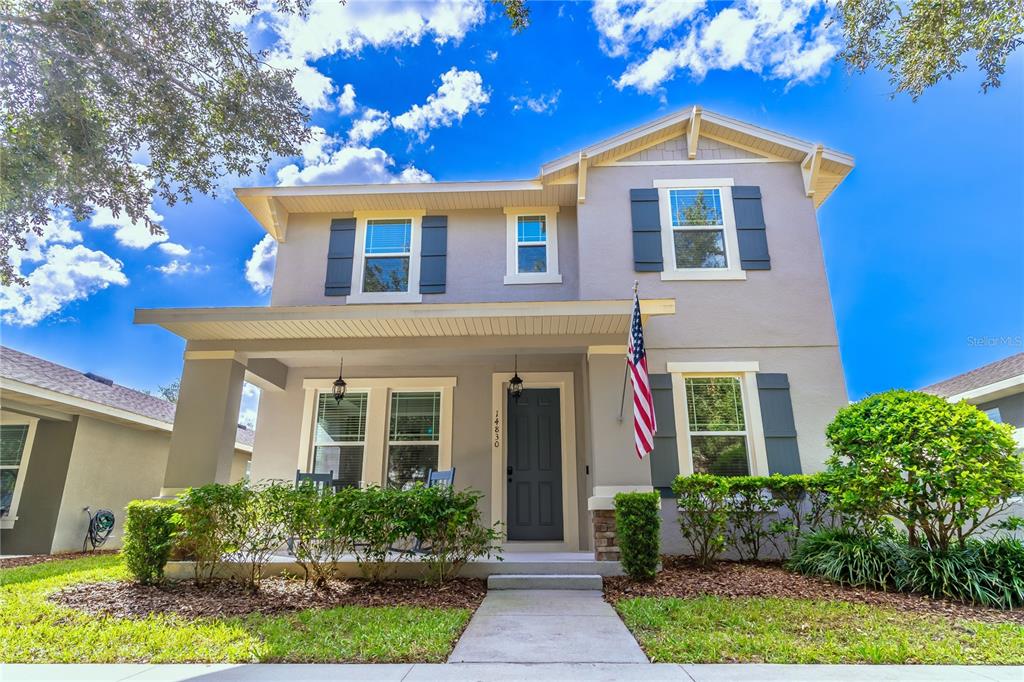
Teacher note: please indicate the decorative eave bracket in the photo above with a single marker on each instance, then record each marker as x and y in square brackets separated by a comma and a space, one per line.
[581, 179]
[810, 168]
[279, 218]
[693, 133]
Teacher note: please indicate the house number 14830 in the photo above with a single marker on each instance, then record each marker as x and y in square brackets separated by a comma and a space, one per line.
[497, 429]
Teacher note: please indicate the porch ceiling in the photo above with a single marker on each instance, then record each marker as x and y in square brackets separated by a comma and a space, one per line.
[536, 318]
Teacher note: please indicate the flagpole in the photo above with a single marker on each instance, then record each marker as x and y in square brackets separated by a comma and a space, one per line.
[625, 373]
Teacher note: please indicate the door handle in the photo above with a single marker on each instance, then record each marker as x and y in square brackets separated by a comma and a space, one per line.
[508, 470]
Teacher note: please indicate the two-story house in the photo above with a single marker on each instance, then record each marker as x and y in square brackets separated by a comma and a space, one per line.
[435, 295]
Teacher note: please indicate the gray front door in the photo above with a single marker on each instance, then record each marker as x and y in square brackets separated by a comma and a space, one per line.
[535, 466]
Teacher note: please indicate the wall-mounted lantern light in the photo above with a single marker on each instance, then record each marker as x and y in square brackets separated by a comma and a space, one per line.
[339, 386]
[515, 384]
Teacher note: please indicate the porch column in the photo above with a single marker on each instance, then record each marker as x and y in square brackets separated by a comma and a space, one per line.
[205, 423]
[616, 467]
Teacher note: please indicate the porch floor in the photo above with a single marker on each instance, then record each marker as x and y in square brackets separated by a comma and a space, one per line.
[548, 563]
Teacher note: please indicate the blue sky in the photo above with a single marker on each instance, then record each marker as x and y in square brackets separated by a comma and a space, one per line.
[924, 242]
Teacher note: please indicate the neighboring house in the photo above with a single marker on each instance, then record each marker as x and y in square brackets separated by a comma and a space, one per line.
[70, 440]
[433, 294]
[997, 389]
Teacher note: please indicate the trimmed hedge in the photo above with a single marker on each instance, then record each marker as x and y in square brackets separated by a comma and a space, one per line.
[638, 532]
[749, 513]
[440, 526]
[149, 537]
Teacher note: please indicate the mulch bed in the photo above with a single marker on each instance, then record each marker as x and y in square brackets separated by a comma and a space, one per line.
[224, 598]
[32, 559]
[681, 577]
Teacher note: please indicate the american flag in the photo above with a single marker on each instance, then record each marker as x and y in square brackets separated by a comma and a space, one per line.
[644, 423]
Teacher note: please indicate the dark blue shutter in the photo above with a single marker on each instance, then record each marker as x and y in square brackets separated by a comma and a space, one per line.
[778, 424]
[646, 230]
[750, 229]
[434, 254]
[665, 457]
[339, 257]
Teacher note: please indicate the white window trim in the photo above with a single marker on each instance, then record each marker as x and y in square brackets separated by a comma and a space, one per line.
[378, 408]
[12, 419]
[564, 381]
[746, 372]
[512, 274]
[341, 443]
[359, 259]
[733, 271]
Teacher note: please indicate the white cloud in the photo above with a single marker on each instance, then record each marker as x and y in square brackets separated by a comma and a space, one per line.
[127, 232]
[539, 105]
[314, 88]
[623, 22]
[371, 124]
[492, 55]
[460, 93]
[347, 100]
[350, 164]
[173, 249]
[249, 407]
[134, 235]
[69, 274]
[57, 231]
[332, 27]
[259, 269]
[792, 40]
[179, 267]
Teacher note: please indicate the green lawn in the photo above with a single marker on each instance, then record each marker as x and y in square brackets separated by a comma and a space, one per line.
[34, 630]
[762, 630]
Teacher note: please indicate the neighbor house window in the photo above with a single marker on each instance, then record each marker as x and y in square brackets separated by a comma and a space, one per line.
[413, 436]
[698, 229]
[16, 435]
[717, 426]
[340, 438]
[993, 414]
[532, 246]
[388, 252]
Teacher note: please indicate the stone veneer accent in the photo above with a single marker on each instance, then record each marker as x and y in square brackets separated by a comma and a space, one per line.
[605, 544]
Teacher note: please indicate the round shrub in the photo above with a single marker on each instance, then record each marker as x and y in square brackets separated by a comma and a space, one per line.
[942, 469]
[704, 502]
[149, 536]
[638, 531]
[848, 558]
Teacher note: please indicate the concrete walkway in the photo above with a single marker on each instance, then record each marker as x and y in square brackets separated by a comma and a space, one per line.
[546, 626]
[467, 672]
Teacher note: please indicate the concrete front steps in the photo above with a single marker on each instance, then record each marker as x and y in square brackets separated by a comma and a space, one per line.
[536, 581]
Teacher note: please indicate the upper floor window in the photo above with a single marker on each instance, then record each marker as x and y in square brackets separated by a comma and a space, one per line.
[532, 246]
[699, 229]
[387, 259]
[387, 253]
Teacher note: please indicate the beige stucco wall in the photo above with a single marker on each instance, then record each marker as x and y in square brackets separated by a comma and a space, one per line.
[476, 261]
[43, 488]
[110, 466]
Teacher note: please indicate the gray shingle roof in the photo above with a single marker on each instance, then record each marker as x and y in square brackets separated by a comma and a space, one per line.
[982, 376]
[36, 371]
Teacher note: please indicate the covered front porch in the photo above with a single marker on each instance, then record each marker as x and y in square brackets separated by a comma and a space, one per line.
[426, 388]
